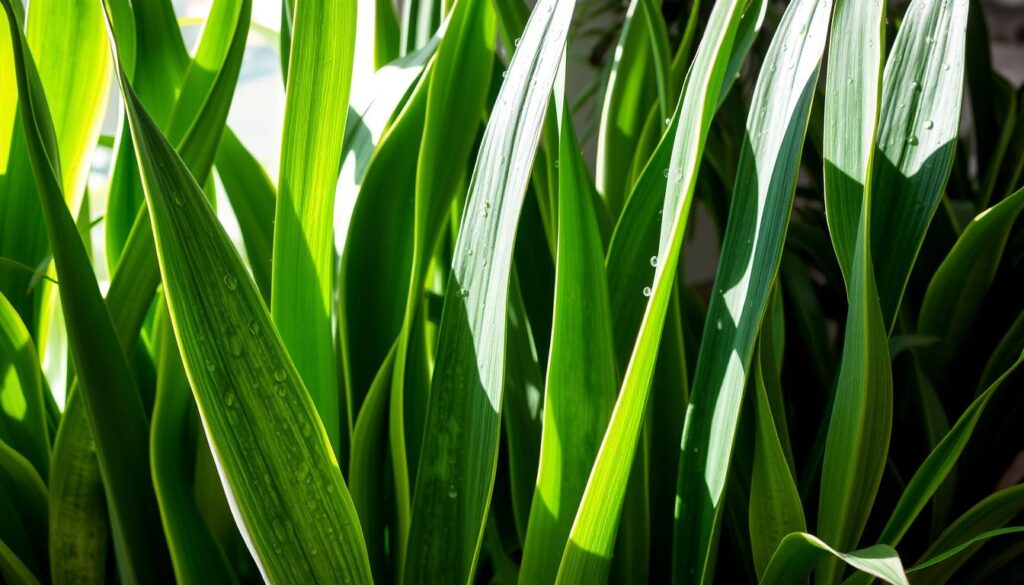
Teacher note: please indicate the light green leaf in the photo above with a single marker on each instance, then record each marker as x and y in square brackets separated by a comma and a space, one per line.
[581, 374]
[112, 399]
[194, 553]
[319, 80]
[799, 553]
[460, 443]
[588, 553]
[857, 443]
[259, 419]
[22, 414]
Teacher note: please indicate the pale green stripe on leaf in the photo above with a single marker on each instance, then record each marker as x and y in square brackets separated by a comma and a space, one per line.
[460, 444]
[854, 74]
[917, 130]
[751, 252]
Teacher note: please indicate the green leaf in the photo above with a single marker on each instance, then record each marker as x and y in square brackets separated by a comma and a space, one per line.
[13, 570]
[860, 425]
[460, 443]
[367, 476]
[629, 94]
[319, 80]
[799, 553]
[956, 291]
[115, 410]
[22, 414]
[851, 104]
[775, 507]
[981, 538]
[252, 196]
[194, 552]
[937, 466]
[452, 116]
[751, 252]
[79, 525]
[588, 553]
[68, 42]
[27, 494]
[964, 535]
[917, 130]
[260, 421]
[581, 374]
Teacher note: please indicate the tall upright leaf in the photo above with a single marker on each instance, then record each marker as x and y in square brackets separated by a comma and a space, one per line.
[751, 252]
[917, 129]
[857, 443]
[319, 80]
[460, 443]
[588, 552]
[115, 409]
[258, 417]
[581, 375]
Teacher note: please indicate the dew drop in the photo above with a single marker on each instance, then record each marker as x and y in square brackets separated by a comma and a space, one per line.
[178, 199]
[281, 391]
[915, 86]
[504, 74]
[280, 375]
[452, 492]
[718, 325]
[254, 327]
[912, 140]
[849, 81]
[928, 124]
[647, 291]
[556, 164]
[945, 66]
[654, 261]
[668, 121]
[229, 398]
[518, 41]
[211, 366]
[469, 252]
[230, 282]
[234, 344]
[665, 173]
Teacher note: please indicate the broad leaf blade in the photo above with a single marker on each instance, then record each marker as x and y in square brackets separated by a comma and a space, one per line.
[799, 553]
[591, 540]
[917, 130]
[115, 410]
[581, 374]
[257, 414]
[319, 80]
[460, 443]
[751, 252]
